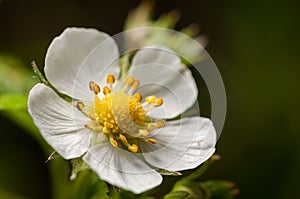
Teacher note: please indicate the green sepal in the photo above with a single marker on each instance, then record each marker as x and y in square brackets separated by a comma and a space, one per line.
[47, 83]
[78, 165]
[168, 173]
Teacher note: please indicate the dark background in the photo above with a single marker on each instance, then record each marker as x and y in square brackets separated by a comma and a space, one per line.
[254, 43]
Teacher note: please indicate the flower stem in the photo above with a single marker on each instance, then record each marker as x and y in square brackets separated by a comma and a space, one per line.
[201, 169]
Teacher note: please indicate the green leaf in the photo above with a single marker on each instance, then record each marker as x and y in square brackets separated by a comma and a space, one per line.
[176, 195]
[78, 165]
[13, 101]
[47, 83]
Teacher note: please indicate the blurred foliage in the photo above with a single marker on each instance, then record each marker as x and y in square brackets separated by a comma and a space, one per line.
[182, 44]
[13, 101]
[14, 77]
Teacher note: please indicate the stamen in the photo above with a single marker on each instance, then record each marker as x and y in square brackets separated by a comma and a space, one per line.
[158, 102]
[135, 84]
[151, 140]
[150, 99]
[129, 80]
[106, 130]
[91, 85]
[92, 116]
[106, 90]
[143, 132]
[80, 106]
[160, 123]
[112, 141]
[150, 127]
[96, 89]
[122, 138]
[110, 79]
[133, 148]
[138, 97]
[148, 109]
[93, 126]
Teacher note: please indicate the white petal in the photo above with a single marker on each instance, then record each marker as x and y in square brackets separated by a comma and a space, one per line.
[121, 168]
[161, 73]
[66, 54]
[181, 144]
[60, 124]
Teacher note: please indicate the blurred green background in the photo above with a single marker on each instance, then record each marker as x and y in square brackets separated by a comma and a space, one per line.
[254, 43]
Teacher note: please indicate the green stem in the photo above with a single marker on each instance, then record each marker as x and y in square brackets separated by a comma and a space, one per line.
[195, 175]
[198, 172]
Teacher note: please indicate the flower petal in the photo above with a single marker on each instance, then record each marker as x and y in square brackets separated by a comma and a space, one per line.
[121, 168]
[181, 144]
[161, 73]
[60, 124]
[67, 52]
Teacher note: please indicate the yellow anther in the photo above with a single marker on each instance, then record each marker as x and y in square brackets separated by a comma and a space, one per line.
[135, 84]
[88, 127]
[151, 140]
[150, 98]
[123, 138]
[143, 132]
[93, 127]
[118, 113]
[91, 85]
[138, 97]
[150, 127]
[92, 116]
[106, 130]
[106, 90]
[133, 148]
[160, 123]
[129, 80]
[80, 106]
[96, 89]
[110, 79]
[158, 102]
[113, 142]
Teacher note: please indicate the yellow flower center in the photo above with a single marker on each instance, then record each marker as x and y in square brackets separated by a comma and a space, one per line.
[121, 115]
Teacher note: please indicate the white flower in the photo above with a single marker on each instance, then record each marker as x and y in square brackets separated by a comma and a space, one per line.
[113, 126]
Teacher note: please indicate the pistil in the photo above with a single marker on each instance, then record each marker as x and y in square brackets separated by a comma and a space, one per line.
[121, 115]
